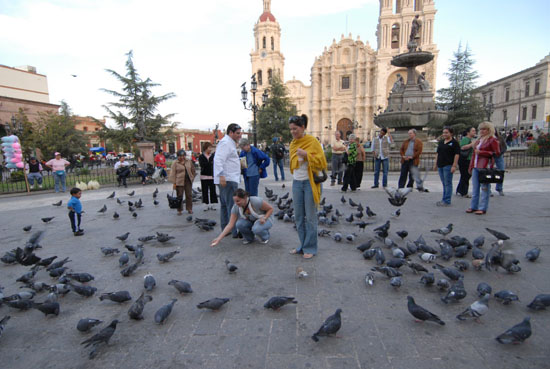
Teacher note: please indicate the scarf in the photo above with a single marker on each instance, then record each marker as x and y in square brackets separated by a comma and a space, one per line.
[315, 157]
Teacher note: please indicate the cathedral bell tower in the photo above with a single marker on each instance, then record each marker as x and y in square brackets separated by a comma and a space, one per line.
[266, 57]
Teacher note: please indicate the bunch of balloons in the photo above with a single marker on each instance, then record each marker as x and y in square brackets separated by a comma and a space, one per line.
[12, 152]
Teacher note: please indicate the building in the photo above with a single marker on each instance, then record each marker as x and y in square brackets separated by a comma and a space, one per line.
[91, 127]
[350, 80]
[190, 139]
[23, 88]
[520, 100]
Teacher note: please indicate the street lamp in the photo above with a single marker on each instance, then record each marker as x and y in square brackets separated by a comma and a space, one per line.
[253, 106]
[489, 109]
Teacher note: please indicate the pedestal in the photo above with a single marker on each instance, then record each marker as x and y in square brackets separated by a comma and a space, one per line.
[147, 151]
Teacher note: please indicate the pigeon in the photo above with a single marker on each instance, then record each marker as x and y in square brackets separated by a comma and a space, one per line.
[402, 234]
[427, 279]
[369, 279]
[102, 337]
[27, 277]
[300, 272]
[388, 271]
[411, 247]
[124, 259]
[120, 296]
[149, 282]
[396, 213]
[506, 297]
[499, 235]
[129, 270]
[111, 196]
[120, 202]
[477, 254]
[35, 286]
[533, 254]
[81, 277]
[123, 237]
[476, 309]
[277, 302]
[517, 334]
[146, 238]
[443, 284]
[349, 219]
[397, 196]
[420, 313]
[417, 267]
[362, 225]
[461, 251]
[165, 238]
[47, 220]
[136, 310]
[397, 253]
[155, 193]
[540, 302]
[323, 233]
[370, 213]
[337, 237]
[395, 263]
[85, 324]
[20, 304]
[131, 209]
[427, 257]
[384, 228]
[396, 282]
[103, 209]
[343, 199]
[365, 246]
[452, 273]
[3, 323]
[85, 291]
[484, 289]
[337, 212]
[58, 264]
[462, 265]
[358, 215]
[115, 215]
[351, 237]
[369, 254]
[379, 256]
[48, 308]
[107, 251]
[213, 304]
[134, 214]
[455, 293]
[27, 228]
[163, 258]
[331, 325]
[58, 272]
[24, 295]
[182, 287]
[352, 203]
[131, 193]
[230, 267]
[155, 202]
[479, 241]
[58, 203]
[444, 231]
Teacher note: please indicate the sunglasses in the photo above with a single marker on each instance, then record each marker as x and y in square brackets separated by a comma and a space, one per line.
[234, 129]
[294, 119]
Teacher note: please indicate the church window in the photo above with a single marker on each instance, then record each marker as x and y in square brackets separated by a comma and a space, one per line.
[85, 129]
[504, 115]
[527, 85]
[263, 44]
[259, 74]
[490, 98]
[395, 36]
[417, 5]
[269, 75]
[397, 6]
[272, 43]
[507, 94]
[534, 112]
[537, 86]
[524, 113]
[345, 83]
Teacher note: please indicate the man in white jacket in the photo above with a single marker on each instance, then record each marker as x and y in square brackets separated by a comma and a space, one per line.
[227, 172]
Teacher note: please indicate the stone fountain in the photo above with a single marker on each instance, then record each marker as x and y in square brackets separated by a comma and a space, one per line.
[411, 103]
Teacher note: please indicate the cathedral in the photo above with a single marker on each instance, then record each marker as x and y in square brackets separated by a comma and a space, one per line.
[350, 81]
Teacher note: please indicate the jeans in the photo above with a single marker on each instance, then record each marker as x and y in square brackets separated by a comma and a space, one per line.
[278, 163]
[447, 181]
[143, 175]
[249, 229]
[337, 167]
[207, 186]
[385, 167]
[33, 176]
[60, 181]
[305, 213]
[464, 183]
[75, 219]
[226, 204]
[499, 163]
[251, 185]
[406, 170]
[479, 202]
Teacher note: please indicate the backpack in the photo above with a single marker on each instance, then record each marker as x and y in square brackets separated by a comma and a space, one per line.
[278, 151]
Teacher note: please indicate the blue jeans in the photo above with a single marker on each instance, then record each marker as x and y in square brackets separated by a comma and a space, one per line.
[226, 203]
[385, 167]
[278, 163]
[499, 163]
[251, 185]
[249, 229]
[479, 202]
[305, 212]
[143, 175]
[447, 181]
[33, 176]
[60, 181]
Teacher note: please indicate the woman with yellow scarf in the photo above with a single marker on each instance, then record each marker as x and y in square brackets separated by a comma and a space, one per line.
[306, 157]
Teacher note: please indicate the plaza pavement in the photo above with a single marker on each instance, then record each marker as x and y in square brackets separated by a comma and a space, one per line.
[377, 331]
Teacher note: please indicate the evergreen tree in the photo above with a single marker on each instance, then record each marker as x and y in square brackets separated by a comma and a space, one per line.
[459, 99]
[273, 117]
[135, 112]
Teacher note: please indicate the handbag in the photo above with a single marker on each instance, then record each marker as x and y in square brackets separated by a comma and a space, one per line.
[465, 153]
[320, 178]
[490, 175]
[174, 202]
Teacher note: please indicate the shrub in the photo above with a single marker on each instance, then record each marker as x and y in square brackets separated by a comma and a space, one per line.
[82, 171]
[533, 149]
[543, 142]
[17, 176]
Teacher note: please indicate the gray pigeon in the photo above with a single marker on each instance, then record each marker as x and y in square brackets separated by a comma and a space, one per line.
[455, 293]
[533, 254]
[540, 302]
[136, 310]
[85, 324]
[444, 231]
[149, 282]
[124, 259]
[111, 196]
[3, 323]
[213, 304]
[331, 325]
[102, 337]
[369, 279]
[107, 251]
[103, 209]
[379, 256]
[479, 241]
[277, 302]
[476, 309]
[506, 297]
[123, 237]
[427, 279]
[452, 273]
[443, 284]
[162, 314]
[517, 334]
[484, 289]
[120, 296]
[387, 271]
[129, 270]
[420, 313]
[163, 258]
[232, 268]
[417, 267]
[499, 235]
[182, 287]
[48, 308]
[396, 282]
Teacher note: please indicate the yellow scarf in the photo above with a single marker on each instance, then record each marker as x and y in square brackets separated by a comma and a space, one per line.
[315, 157]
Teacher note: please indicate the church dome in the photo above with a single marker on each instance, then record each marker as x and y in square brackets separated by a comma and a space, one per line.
[267, 15]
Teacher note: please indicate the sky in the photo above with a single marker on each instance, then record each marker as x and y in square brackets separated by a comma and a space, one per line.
[199, 50]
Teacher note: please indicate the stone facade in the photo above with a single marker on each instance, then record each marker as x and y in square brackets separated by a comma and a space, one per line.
[525, 94]
[90, 127]
[350, 81]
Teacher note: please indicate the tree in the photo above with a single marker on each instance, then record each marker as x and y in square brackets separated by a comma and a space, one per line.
[56, 132]
[135, 112]
[273, 117]
[459, 99]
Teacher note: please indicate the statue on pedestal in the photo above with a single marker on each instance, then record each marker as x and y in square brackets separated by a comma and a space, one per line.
[423, 83]
[415, 34]
[399, 85]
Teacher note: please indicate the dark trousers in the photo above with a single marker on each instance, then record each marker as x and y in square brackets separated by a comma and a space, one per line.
[464, 182]
[75, 220]
[358, 173]
[349, 178]
[143, 175]
[207, 186]
[188, 190]
[406, 170]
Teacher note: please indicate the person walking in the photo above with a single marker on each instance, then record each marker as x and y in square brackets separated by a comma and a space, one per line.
[381, 153]
[359, 163]
[75, 211]
[351, 161]
[411, 150]
[446, 161]
[206, 162]
[337, 163]
[182, 174]
[34, 172]
[160, 162]
[58, 165]
[466, 150]
[485, 149]
[256, 163]
[499, 160]
[278, 157]
[122, 169]
[306, 160]
[251, 215]
[227, 172]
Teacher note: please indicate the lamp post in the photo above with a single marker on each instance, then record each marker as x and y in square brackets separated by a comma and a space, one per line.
[253, 106]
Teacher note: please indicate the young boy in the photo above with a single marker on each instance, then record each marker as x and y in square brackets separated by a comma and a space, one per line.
[75, 211]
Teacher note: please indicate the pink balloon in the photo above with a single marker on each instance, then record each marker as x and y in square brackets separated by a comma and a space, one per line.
[18, 155]
[15, 160]
[19, 165]
[16, 145]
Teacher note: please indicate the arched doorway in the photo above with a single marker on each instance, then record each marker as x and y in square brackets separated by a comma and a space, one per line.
[345, 126]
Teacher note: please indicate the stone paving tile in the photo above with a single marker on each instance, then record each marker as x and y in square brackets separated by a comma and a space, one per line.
[343, 363]
[296, 362]
[282, 339]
